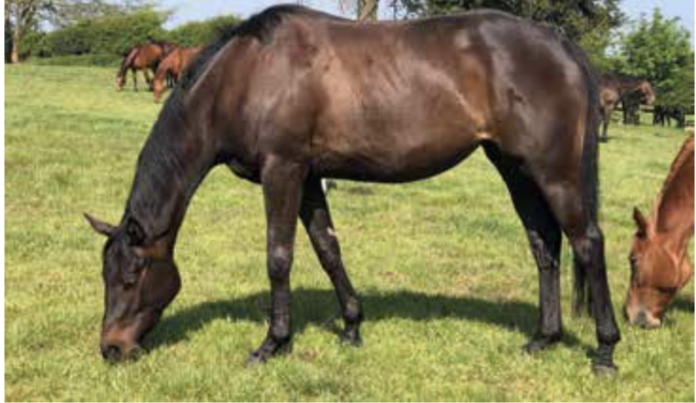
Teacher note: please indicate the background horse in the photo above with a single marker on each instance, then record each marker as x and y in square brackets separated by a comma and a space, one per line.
[292, 96]
[664, 114]
[143, 57]
[172, 66]
[660, 264]
[617, 88]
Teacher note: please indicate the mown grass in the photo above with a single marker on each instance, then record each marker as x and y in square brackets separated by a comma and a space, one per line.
[449, 285]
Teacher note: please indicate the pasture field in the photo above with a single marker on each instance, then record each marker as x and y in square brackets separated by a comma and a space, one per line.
[448, 283]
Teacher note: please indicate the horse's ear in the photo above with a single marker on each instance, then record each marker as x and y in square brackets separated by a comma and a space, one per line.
[641, 223]
[100, 226]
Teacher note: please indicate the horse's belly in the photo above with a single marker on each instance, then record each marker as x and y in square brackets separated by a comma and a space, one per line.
[395, 161]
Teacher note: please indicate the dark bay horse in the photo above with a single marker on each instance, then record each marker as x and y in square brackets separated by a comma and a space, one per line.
[173, 65]
[615, 88]
[660, 264]
[142, 58]
[292, 96]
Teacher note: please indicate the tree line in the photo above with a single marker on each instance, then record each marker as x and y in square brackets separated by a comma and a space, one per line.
[95, 28]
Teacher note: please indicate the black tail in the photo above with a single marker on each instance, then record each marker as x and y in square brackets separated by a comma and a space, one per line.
[589, 171]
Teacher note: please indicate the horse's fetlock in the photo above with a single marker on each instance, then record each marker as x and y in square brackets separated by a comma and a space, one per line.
[280, 334]
[353, 311]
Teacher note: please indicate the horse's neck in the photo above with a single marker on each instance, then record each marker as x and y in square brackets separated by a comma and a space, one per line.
[171, 165]
[674, 211]
[128, 60]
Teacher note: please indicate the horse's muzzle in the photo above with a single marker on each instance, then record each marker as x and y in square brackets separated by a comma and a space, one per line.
[114, 353]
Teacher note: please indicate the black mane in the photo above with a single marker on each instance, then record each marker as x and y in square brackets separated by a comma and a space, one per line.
[259, 26]
[159, 161]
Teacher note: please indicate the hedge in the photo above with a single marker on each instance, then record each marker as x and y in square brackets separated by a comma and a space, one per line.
[199, 33]
[102, 60]
[101, 41]
[107, 36]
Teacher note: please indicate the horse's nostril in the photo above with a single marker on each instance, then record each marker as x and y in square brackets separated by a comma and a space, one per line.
[111, 353]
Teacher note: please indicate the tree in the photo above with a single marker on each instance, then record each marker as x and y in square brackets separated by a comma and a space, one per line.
[575, 18]
[22, 16]
[70, 12]
[364, 10]
[199, 33]
[659, 49]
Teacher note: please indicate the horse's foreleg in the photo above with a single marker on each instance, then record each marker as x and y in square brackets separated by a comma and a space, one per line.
[544, 235]
[134, 73]
[316, 218]
[282, 189]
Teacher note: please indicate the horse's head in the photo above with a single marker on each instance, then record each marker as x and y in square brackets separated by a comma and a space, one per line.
[158, 85]
[120, 81]
[140, 280]
[648, 94]
[656, 275]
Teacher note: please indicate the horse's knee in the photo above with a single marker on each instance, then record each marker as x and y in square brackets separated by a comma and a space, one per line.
[589, 245]
[279, 262]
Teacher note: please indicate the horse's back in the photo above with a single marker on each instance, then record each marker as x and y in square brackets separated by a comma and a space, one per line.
[401, 101]
[399, 95]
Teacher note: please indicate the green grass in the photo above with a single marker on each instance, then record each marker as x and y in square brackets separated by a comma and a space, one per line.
[448, 282]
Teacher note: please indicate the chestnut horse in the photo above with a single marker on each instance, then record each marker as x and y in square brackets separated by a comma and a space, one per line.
[660, 265]
[293, 95]
[173, 65]
[617, 88]
[143, 57]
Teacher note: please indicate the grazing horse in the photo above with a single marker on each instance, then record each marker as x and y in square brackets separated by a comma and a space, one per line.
[660, 265]
[617, 88]
[174, 66]
[293, 95]
[143, 57]
[665, 113]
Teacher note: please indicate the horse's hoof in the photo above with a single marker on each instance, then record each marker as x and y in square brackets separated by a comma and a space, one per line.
[255, 358]
[540, 344]
[605, 369]
[351, 338]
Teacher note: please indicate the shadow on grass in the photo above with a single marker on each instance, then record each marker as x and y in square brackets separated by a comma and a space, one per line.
[320, 307]
[683, 303]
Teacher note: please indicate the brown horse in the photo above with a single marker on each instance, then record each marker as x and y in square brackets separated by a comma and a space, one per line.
[617, 88]
[143, 57]
[292, 96]
[660, 265]
[173, 65]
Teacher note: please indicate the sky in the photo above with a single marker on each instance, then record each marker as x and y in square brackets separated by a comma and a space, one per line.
[191, 10]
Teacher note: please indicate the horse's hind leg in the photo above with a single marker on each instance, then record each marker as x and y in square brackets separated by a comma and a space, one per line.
[134, 73]
[317, 221]
[282, 190]
[565, 197]
[544, 236]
